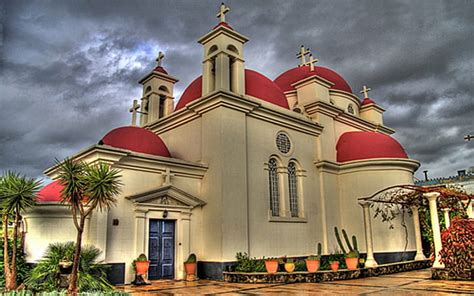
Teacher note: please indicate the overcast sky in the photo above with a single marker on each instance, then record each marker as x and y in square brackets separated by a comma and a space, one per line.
[69, 69]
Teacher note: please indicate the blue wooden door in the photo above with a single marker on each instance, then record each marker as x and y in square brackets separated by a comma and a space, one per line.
[161, 249]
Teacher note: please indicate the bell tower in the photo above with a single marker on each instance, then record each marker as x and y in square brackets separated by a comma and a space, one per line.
[157, 99]
[223, 63]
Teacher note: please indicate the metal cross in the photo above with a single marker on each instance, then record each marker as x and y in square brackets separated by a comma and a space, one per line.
[468, 137]
[311, 62]
[160, 58]
[222, 11]
[134, 111]
[302, 55]
[167, 174]
[365, 90]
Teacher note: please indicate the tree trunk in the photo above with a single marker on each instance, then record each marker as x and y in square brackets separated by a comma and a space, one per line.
[72, 290]
[6, 259]
[13, 281]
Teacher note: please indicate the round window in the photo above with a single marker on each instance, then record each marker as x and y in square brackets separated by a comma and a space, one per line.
[283, 143]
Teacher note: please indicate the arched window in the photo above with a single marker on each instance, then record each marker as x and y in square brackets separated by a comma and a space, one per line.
[273, 186]
[293, 189]
[350, 109]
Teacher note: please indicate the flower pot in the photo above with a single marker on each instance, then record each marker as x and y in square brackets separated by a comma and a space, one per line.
[289, 267]
[312, 265]
[352, 263]
[271, 266]
[190, 268]
[141, 267]
[65, 267]
[334, 266]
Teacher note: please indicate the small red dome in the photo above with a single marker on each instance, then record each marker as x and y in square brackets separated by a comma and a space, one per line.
[136, 139]
[256, 85]
[160, 69]
[367, 101]
[366, 145]
[285, 80]
[50, 193]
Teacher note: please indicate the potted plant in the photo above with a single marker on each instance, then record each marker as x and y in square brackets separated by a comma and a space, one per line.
[271, 265]
[334, 260]
[190, 266]
[289, 265]
[141, 264]
[352, 256]
[313, 262]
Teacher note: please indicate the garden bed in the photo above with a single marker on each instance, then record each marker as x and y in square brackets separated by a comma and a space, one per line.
[446, 274]
[323, 275]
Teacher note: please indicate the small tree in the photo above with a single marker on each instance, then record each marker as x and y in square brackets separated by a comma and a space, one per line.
[86, 187]
[17, 193]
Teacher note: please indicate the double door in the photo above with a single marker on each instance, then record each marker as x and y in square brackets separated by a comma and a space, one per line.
[161, 249]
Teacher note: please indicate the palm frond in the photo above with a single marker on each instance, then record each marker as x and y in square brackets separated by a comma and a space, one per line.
[18, 192]
[103, 184]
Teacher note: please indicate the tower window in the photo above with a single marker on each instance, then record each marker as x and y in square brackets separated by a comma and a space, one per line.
[273, 186]
[350, 109]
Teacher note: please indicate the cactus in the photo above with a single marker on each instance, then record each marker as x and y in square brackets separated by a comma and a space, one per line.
[353, 249]
[338, 238]
[346, 238]
[319, 249]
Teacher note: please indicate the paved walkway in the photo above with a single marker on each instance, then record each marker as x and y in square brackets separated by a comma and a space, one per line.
[406, 283]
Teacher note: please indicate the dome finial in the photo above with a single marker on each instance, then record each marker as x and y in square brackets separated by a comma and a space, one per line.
[365, 90]
[160, 58]
[222, 11]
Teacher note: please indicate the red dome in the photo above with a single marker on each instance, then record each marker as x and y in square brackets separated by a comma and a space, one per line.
[285, 80]
[256, 85]
[50, 192]
[160, 69]
[366, 145]
[136, 139]
[367, 101]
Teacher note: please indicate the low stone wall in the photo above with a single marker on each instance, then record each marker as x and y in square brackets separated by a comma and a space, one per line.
[324, 275]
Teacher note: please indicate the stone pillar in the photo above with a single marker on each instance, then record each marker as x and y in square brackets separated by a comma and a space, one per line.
[446, 217]
[370, 261]
[416, 222]
[140, 231]
[282, 172]
[238, 77]
[431, 196]
[207, 77]
[222, 72]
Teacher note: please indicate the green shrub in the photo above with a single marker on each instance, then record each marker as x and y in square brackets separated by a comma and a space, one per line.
[45, 276]
[247, 264]
[22, 268]
[300, 265]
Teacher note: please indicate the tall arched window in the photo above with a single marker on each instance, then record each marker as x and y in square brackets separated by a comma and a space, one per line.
[293, 188]
[274, 193]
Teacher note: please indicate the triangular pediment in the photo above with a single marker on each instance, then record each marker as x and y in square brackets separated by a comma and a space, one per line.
[167, 196]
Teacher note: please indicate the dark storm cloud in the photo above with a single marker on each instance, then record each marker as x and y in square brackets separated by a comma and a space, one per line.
[69, 68]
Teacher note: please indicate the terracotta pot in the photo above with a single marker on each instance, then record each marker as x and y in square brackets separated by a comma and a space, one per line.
[312, 265]
[271, 266]
[141, 267]
[289, 267]
[190, 268]
[334, 266]
[352, 263]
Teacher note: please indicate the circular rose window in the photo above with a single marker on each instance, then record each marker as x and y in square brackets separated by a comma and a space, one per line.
[283, 143]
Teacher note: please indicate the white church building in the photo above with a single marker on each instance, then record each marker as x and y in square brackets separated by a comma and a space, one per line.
[240, 163]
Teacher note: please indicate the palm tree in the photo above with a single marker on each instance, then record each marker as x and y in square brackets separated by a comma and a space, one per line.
[17, 193]
[86, 187]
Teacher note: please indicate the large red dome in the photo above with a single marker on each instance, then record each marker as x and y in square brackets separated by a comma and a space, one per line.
[366, 145]
[285, 80]
[256, 85]
[136, 139]
[50, 193]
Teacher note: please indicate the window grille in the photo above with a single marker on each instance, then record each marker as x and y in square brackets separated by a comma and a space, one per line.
[292, 185]
[283, 143]
[274, 194]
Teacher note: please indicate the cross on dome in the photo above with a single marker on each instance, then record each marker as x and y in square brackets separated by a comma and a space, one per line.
[160, 58]
[302, 55]
[311, 62]
[134, 111]
[222, 11]
[365, 90]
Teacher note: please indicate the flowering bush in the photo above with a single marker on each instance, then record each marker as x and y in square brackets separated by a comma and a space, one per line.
[457, 253]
